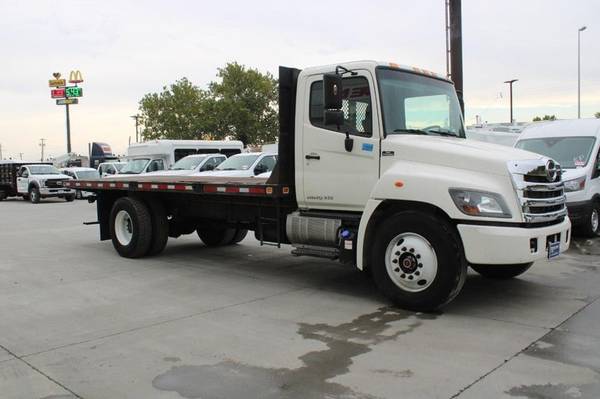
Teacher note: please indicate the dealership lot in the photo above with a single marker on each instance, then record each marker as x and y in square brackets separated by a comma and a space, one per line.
[256, 322]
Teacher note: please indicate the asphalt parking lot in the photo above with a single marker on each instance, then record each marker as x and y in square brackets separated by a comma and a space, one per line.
[78, 321]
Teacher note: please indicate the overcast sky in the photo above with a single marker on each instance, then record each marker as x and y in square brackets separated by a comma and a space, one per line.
[125, 49]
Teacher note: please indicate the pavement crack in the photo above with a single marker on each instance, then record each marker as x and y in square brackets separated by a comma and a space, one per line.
[37, 370]
[552, 329]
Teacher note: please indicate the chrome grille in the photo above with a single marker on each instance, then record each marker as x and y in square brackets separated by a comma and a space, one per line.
[541, 194]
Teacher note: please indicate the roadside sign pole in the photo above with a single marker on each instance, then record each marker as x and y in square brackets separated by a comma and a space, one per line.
[68, 130]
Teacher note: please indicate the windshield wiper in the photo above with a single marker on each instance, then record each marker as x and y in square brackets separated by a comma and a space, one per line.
[425, 132]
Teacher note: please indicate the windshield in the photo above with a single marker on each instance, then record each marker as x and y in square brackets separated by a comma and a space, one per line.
[87, 174]
[135, 166]
[188, 163]
[569, 152]
[238, 162]
[415, 104]
[43, 170]
[119, 166]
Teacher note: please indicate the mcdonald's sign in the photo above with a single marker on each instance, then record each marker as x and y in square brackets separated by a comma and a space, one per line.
[75, 77]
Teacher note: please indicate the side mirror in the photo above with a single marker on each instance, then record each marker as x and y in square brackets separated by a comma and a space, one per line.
[332, 91]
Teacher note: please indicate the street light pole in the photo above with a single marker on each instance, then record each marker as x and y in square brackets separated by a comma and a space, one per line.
[68, 129]
[136, 117]
[510, 83]
[579, 70]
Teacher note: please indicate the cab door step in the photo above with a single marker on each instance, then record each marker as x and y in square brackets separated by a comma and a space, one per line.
[316, 251]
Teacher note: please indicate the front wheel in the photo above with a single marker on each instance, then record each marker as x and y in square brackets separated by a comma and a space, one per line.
[501, 271]
[34, 195]
[130, 227]
[591, 228]
[417, 261]
[70, 197]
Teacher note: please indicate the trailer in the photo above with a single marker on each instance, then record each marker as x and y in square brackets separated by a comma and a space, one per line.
[374, 171]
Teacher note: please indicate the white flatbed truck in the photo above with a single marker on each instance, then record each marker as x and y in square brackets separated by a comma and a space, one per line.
[373, 171]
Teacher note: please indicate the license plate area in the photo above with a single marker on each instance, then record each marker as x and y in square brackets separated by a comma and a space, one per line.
[553, 245]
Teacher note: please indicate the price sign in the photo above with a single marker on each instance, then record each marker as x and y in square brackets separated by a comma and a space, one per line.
[67, 101]
[73, 91]
[57, 93]
[57, 82]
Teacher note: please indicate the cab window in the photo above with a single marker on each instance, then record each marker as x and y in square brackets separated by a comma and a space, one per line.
[356, 105]
[265, 165]
[156, 165]
[23, 173]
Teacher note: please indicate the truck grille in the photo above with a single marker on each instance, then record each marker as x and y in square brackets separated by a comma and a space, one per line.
[54, 183]
[540, 190]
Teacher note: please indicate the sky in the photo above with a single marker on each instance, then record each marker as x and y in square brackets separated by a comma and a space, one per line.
[125, 49]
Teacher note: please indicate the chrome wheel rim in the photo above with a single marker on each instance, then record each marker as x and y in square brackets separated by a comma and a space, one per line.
[594, 220]
[123, 227]
[411, 262]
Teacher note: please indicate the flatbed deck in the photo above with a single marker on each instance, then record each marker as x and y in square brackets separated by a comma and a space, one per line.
[192, 184]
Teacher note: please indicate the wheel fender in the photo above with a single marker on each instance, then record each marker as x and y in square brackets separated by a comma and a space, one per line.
[370, 208]
[32, 185]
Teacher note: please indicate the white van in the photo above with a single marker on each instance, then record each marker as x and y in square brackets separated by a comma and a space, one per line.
[158, 155]
[575, 144]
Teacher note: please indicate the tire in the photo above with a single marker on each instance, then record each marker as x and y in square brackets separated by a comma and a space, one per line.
[216, 237]
[239, 235]
[501, 272]
[34, 195]
[417, 261]
[130, 227]
[160, 227]
[591, 227]
[70, 197]
[2, 195]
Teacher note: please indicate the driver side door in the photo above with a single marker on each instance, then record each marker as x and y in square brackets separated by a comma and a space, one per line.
[23, 180]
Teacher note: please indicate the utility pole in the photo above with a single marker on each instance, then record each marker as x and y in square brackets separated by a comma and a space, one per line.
[21, 156]
[456, 65]
[510, 83]
[579, 70]
[137, 123]
[1, 152]
[42, 145]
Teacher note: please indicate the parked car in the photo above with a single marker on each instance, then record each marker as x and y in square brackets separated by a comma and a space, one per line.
[80, 173]
[106, 169]
[575, 144]
[33, 182]
[193, 164]
[244, 165]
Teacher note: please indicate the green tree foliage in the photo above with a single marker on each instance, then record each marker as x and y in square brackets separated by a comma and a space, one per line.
[177, 112]
[242, 104]
[597, 115]
[545, 118]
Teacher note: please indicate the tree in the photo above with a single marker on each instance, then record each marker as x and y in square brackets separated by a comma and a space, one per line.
[175, 113]
[241, 105]
[244, 104]
[545, 118]
[597, 115]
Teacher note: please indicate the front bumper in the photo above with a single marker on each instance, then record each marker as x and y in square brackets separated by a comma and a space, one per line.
[579, 212]
[499, 245]
[55, 192]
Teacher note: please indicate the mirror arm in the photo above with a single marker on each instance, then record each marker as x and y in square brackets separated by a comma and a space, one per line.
[345, 70]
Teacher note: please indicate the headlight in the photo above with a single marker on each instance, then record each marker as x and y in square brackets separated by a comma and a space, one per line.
[575, 184]
[480, 203]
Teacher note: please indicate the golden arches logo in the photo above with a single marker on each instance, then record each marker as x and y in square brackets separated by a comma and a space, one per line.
[75, 77]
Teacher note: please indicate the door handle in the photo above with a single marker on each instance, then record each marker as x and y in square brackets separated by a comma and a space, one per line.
[312, 156]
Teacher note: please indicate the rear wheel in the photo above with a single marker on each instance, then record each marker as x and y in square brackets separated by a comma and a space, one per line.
[130, 227]
[501, 271]
[34, 195]
[417, 261]
[160, 228]
[240, 234]
[70, 197]
[216, 237]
